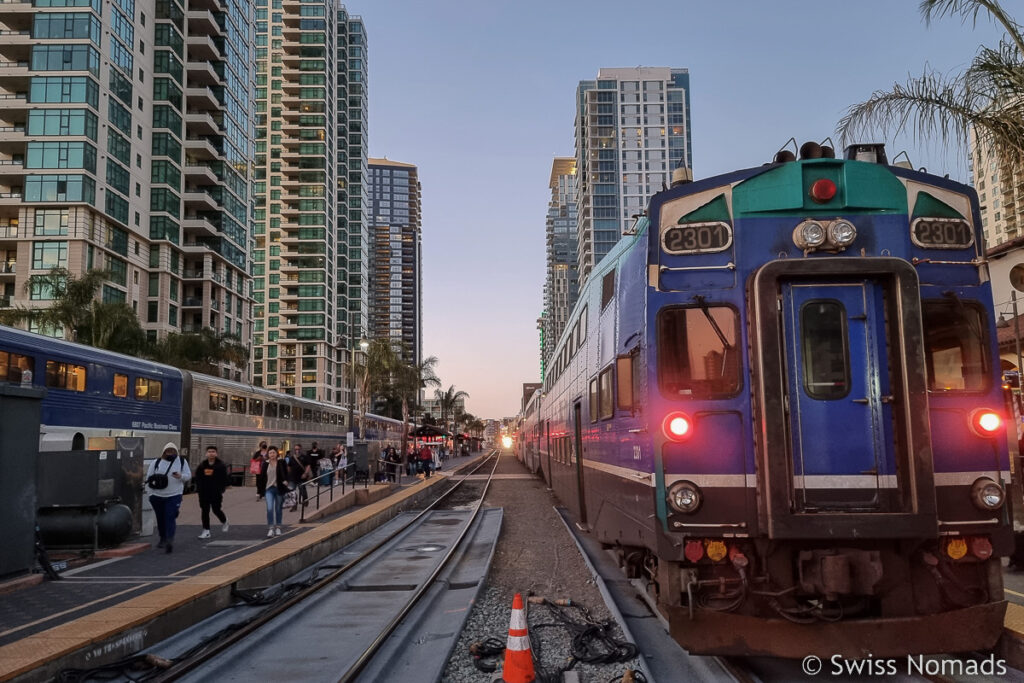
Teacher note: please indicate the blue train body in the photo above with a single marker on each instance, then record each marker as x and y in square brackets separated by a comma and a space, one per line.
[780, 399]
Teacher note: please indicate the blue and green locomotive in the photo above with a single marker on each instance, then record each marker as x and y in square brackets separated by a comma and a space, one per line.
[780, 400]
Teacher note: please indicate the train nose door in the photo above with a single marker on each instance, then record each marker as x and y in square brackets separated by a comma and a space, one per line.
[838, 394]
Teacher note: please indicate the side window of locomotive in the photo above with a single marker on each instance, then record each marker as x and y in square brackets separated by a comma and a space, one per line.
[120, 386]
[825, 350]
[607, 288]
[697, 354]
[65, 376]
[955, 346]
[604, 389]
[148, 389]
[593, 400]
[627, 382]
[218, 402]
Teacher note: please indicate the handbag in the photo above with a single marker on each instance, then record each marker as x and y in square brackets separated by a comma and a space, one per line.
[255, 466]
[159, 480]
[291, 499]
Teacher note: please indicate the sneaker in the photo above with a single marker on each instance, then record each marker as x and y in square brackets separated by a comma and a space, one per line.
[225, 527]
[270, 532]
[205, 534]
[277, 531]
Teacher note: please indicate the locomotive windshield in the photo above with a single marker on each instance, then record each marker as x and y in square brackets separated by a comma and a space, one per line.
[955, 348]
[697, 355]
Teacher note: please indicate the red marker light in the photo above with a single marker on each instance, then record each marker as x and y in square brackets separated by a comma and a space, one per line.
[986, 422]
[677, 427]
[823, 190]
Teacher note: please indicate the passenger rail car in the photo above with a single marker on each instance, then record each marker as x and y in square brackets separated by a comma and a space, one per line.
[93, 395]
[780, 400]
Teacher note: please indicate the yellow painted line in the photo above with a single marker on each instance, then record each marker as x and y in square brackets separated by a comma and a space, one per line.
[73, 609]
[1019, 595]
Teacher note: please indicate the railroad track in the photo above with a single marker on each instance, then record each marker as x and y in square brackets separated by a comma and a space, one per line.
[354, 616]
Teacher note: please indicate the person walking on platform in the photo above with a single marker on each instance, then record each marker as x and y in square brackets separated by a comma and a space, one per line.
[275, 469]
[165, 482]
[211, 482]
[256, 467]
[313, 456]
[298, 472]
[426, 460]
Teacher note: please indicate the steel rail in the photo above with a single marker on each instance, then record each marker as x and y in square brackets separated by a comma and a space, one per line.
[180, 668]
[371, 651]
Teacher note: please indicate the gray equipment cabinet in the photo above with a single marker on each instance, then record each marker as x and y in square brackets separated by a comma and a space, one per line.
[20, 409]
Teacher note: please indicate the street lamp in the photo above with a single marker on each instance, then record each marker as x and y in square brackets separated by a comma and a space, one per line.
[363, 345]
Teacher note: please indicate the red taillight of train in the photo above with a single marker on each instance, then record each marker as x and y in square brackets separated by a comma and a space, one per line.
[985, 422]
[677, 426]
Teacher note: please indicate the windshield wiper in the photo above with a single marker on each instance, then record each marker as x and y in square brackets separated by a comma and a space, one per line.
[714, 325]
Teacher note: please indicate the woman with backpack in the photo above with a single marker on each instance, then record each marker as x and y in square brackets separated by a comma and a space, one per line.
[165, 482]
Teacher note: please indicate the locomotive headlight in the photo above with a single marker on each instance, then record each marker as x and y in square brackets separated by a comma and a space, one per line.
[987, 495]
[841, 233]
[809, 235]
[685, 497]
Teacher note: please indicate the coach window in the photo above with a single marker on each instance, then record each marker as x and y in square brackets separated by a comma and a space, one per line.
[604, 391]
[12, 365]
[583, 324]
[285, 412]
[238, 405]
[627, 382]
[218, 402]
[255, 406]
[955, 346]
[271, 409]
[148, 389]
[593, 400]
[307, 414]
[697, 355]
[120, 385]
[65, 376]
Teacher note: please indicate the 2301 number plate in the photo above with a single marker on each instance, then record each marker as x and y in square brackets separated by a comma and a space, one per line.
[697, 238]
[941, 233]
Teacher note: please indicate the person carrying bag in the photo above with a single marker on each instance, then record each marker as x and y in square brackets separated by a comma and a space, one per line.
[165, 484]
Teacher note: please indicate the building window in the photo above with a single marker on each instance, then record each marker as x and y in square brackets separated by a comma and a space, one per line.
[47, 255]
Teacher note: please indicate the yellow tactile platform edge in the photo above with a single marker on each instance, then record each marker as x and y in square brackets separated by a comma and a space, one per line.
[29, 653]
[1014, 620]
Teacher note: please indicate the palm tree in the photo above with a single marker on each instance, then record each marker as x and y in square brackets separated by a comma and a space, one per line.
[447, 400]
[71, 300]
[199, 351]
[987, 98]
[408, 380]
[373, 375]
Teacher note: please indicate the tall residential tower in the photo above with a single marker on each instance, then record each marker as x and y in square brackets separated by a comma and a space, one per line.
[125, 146]
[395, 257]
[561, 283]
[632, 130]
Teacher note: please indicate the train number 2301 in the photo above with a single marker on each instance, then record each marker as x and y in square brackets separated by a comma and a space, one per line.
[697, 238]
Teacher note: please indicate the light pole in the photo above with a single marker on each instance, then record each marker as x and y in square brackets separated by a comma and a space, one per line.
[363, 345]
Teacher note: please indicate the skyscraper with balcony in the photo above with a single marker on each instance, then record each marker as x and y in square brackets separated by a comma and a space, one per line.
[561, 285]
[395, 257]
[632, 130]
[307, 200]
[124, 147]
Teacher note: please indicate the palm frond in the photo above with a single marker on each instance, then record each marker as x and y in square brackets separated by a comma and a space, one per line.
[971, 9]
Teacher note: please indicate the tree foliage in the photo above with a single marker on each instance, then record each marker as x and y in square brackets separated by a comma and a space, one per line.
[986, 98]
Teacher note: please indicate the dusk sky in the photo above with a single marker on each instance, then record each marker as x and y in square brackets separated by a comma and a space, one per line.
[480, 96]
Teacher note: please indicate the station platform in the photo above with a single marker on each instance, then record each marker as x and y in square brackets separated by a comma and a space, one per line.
[111, 607]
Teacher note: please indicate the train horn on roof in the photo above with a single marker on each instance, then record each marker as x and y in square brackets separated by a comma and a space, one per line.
[810, 150]
[783, 156]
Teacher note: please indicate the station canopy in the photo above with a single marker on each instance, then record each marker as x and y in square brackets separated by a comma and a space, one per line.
[428, 431]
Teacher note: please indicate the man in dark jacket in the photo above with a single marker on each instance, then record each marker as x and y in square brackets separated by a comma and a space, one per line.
[211, 479]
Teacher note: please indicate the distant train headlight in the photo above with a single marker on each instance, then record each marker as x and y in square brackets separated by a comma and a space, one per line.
[506, 441]
[685, 496]
[809, 235]
[987, 495]
[841, 233]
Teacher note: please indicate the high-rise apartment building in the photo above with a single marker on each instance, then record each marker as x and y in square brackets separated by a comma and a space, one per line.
[395, 257]
[999, 180]
[561, 286]
[125, 146]
[305, 179]
[632, 130]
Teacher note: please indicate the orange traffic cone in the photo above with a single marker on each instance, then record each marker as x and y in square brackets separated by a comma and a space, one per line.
[518, 658]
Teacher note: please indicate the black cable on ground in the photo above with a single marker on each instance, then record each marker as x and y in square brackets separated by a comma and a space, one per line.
[486, 648]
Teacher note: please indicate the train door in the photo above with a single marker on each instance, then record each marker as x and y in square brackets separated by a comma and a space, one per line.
[838, 395]
[577, 420]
